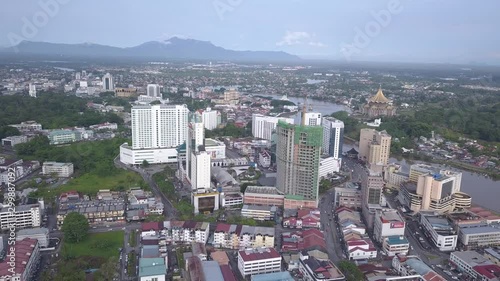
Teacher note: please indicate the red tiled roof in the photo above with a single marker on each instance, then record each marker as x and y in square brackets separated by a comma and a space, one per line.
[227, 273]
[489, 271]
[222, 227]
[146, 226]
[23, 250]
[254, 255]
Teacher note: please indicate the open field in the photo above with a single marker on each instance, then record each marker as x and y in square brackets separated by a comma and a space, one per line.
[103, 245]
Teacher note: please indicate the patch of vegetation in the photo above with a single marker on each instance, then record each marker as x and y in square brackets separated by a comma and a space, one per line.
[230, 130]
[52, 110]
[132, 239]
[104, 245]
[351, 271]
[75, 227]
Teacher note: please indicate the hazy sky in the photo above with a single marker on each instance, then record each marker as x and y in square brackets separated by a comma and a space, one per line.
[425, 30]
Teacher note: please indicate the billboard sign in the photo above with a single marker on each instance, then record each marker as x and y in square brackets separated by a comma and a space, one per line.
[397, 224]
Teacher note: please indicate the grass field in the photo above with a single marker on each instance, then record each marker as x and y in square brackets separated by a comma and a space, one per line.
[91, 183]
[103, 245]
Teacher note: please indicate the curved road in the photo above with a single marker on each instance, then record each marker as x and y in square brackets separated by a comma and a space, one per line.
[169, 210]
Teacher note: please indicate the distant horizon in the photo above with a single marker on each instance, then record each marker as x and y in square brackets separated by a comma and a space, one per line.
[427, 31]
[304, 57]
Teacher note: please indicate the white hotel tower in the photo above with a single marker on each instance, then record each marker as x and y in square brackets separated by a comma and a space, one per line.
[157, 130]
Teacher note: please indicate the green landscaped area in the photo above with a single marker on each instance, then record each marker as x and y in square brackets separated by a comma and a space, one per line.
[103, 245]
[91, 183]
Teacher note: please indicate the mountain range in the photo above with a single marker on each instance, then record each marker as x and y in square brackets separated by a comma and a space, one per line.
[173, 48]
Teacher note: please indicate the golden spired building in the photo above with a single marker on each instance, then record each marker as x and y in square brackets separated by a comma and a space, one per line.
[379, 105]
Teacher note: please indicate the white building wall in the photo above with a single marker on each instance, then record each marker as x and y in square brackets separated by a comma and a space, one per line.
[328, 166]
[200, 171]
[159, 126]
[313, 119]
[210, 119]
[153, 156]
[153, 90]
[263, 126]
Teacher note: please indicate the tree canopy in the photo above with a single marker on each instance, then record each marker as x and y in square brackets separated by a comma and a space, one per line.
[75, 227]
[52, 110]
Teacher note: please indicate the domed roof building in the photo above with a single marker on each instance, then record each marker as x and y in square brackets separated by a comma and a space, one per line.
[379, 105]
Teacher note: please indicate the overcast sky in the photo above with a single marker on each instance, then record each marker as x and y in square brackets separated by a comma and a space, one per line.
[417, 30]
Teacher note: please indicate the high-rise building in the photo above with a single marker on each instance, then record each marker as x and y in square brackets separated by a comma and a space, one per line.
[433, 189]
[333, 137]
[264, 126]
[159, 126]
[107, 83]
[157, 131]
[298, 154]
[200, 170]
[153, 90]
[78, 76]
[372, 196]
[32, 90]
[211, 118]
[195, 139]
[312, 118]
[374, 147]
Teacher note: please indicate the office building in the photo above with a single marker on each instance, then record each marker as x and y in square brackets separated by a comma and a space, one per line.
[298, 155]
[14, 140]
[27, 259]
[157, 130]
[435, 190]
[258, 261]
[475, 265]
[60, 170]
[24, 216]
[64, 136]
[205, 202]
[39, 233]
[479, 235]
[195, 140]
[200, 171]
[264, 126]
[257, 212]
[32, 90]
[388, 222]
[440, 230]
[348, 196]
[372, 196]
[333, 137]
[314, 269]
[211, 118]
[328, 166]
[153, 90]
[389, 230]
[108, 84]
[394, 176]
[263, 195]
[374, 147]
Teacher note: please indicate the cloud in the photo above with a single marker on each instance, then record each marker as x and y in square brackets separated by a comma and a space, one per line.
[299, 38]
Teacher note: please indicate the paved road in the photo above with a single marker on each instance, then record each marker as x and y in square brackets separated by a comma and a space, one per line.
[147, 175]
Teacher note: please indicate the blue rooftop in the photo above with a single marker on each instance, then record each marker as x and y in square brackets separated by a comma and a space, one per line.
[396, 240]
[276, 276]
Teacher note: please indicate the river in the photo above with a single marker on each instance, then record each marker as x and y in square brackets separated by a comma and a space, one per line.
[484, 191]
[323, 107]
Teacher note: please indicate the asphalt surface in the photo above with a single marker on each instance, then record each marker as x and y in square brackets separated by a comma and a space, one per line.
[147, 175]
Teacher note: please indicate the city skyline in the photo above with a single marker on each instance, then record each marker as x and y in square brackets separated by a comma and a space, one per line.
[394, 30]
